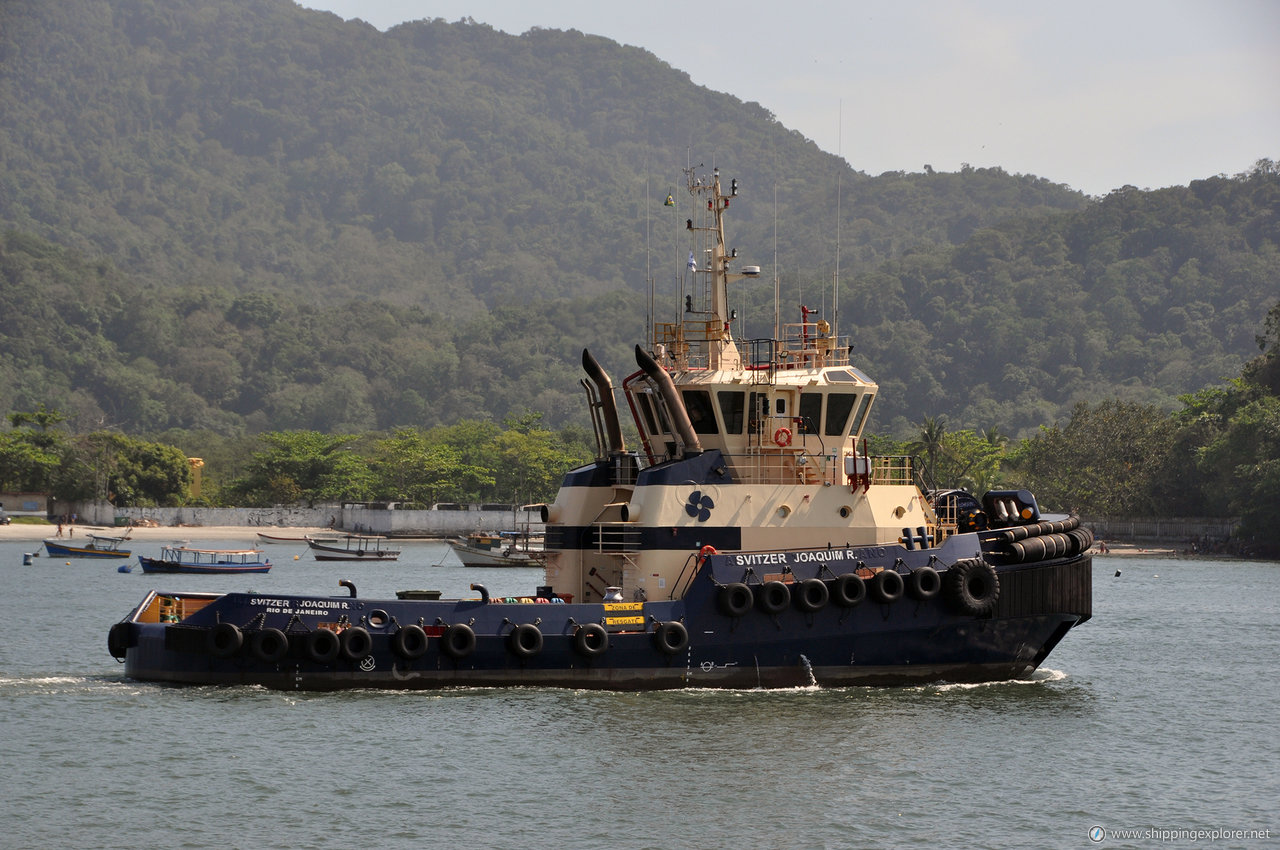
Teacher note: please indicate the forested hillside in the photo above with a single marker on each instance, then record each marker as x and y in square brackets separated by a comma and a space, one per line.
[247, 216]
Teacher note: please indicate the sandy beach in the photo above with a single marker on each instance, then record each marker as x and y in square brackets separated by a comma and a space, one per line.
[160, 534]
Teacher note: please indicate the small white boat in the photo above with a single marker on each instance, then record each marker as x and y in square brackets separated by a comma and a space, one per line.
[299, 538]
[507, 549]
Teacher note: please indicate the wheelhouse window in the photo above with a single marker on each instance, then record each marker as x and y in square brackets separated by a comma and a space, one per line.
[863, 408]
[701, 414]
[810, 412]
[839, 406]
[731, 410]
[646, 411]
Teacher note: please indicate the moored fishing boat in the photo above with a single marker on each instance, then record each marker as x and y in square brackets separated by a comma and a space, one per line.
[185, 559]
[751, 541]
[272, 539]
[98, 546]
[352, 547]
[513, 549]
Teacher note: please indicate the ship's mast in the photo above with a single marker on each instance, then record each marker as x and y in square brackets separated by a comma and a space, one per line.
[722, 352]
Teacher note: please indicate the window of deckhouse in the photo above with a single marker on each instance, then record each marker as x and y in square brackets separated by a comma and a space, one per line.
[810, 412]
[839, 406]
[862, 413]
[646, 412]
[701, 414]
[731, 410]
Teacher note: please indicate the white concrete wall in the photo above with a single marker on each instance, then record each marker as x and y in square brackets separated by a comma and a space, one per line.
[355, 518]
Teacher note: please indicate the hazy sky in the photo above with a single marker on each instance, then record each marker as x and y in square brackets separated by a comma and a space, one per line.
[1093, 94]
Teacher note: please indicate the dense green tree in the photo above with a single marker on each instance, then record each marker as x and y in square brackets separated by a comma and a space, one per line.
[1101, 462]
[303, 467]
[414, 466]
[31, 453]
[1237, 444]
[124, 471]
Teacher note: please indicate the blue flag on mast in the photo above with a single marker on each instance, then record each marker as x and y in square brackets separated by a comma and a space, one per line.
[693, 265]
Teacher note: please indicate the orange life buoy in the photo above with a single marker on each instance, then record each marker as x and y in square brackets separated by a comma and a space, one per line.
[782, 437]
[707, 550]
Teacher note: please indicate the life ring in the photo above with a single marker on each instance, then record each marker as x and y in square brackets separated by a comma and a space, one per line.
[357, 643]
[671, 637]
[773, 597]
[269, 645]
[811, 595]
[409, 642]
[591, 640]
[458, 641]
[704, 552]
[224, 640]
[525, 640]
[323, 646]
[848, 590]
[923, 583]
[734, 599]
[972, 586]
[782, 437]
[887, 586]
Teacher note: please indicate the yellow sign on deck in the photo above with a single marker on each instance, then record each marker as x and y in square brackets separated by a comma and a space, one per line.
[624, 621]
[623, 606]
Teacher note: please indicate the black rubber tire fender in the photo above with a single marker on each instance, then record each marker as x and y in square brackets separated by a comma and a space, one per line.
[458, 641]
[409, 642]
[323, 646]
[848, 590]
[224, 640]
[772, 597]
[923, 583]
[591, 640]
[734, 599]
[357, 643]
[972, 587]
[269, 645]
[118, 640]
[811, 595]
[887, 586]
[671, 637]
[525, 640]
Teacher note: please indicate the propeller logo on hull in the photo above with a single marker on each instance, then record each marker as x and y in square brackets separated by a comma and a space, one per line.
[699, 506]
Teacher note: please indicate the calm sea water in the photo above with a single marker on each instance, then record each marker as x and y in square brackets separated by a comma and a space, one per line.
[1159, 714]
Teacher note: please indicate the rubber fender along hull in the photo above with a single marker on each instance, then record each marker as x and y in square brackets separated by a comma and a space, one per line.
[886, 661]
[692, 642]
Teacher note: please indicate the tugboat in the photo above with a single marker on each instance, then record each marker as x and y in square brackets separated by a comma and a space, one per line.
[751, 541]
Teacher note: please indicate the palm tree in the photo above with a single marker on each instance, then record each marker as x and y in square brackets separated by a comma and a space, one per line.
[932, 444]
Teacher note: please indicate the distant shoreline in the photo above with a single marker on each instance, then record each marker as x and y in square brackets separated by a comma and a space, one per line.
[29, 531]
[165, 534]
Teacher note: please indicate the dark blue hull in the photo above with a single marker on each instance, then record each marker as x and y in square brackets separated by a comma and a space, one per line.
[700, 640]
[159, 565]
